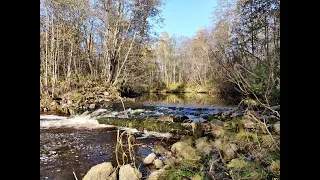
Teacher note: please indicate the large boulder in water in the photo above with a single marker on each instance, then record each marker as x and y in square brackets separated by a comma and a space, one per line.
[149, 159]
[99, 172]
[127, 172]
[182, 149]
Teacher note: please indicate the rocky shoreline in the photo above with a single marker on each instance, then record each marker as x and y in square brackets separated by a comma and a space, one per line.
[229, 145]
[80, 100]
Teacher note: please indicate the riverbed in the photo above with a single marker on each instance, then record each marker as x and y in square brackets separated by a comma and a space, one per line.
[71, 145]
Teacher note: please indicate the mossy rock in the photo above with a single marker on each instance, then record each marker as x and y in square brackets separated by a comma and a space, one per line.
[204, 146]
[184, 150]
[190, 140]
[150, 124]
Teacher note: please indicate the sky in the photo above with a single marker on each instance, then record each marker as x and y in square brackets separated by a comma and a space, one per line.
[185, 17]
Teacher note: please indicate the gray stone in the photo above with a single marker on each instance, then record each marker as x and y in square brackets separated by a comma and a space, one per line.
[182, 149]
[92, 106]
[169, 161]
[276, 126]
[203, 146]
[158, 163]
[231, 151]
[160, 150]
[113, 176]
[166, 118]
[248, 122]
[99, 172]
[149, 159]
[226, 114]
[156, 175]
[180, 118]
[236, 114]
[127, 172]
[234, 147]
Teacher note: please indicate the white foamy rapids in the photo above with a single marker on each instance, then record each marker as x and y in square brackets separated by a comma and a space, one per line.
[52, 117]
[146, 133]
[129, 130]
[79, 122]
[156, 134]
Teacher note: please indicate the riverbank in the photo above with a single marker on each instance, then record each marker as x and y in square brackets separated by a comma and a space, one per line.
[233, 145]
[77, 97]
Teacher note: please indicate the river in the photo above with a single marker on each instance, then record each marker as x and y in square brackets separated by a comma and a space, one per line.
[74, 144]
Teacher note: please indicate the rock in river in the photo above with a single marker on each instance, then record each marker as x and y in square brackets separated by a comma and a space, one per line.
[149, 159]
[160, 150]
[158, 163]
[99, 172]
[127, 172]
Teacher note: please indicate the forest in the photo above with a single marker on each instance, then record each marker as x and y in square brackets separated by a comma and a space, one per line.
[113, 44]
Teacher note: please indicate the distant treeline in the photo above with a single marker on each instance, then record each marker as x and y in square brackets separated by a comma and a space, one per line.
[112, 42]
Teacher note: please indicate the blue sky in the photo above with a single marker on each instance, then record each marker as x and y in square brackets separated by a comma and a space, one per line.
[185, 17]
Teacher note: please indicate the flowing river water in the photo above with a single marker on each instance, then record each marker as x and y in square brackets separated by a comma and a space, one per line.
[71, 145]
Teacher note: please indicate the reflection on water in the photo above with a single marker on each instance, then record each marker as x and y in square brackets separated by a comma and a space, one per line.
[187, 99]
